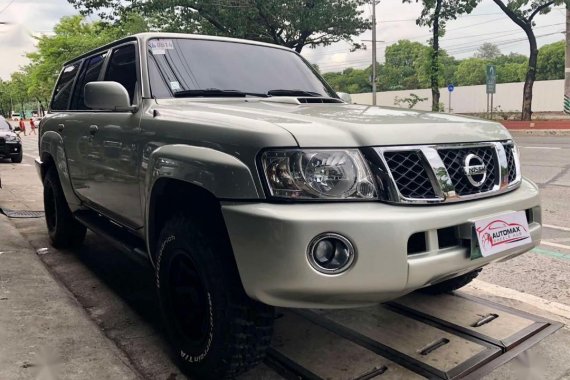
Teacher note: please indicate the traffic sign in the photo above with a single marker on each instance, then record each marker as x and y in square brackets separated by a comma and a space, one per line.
[491, 74]
[450, 88]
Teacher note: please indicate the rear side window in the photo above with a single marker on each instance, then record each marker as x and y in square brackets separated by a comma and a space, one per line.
[122, 68]
[63, 87]
[89, 73]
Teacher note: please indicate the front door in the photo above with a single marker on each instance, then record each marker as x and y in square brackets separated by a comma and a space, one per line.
[103, 146]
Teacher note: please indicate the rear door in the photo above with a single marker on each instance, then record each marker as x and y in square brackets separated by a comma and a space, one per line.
[82, 160]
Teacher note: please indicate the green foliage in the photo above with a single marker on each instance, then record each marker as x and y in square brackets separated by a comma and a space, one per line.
[410, 101]
[352, 81]
[400, 70]
[470, 72]
[293, 23]
[551, 61]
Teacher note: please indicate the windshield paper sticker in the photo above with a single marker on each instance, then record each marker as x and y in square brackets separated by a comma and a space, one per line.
[502, 232]
[175, 86]
[160, 46]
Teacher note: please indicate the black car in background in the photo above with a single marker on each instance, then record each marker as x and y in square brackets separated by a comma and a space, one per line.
[10, 143]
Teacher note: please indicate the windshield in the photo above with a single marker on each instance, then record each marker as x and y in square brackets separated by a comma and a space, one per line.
[4, 127]
[183, 65]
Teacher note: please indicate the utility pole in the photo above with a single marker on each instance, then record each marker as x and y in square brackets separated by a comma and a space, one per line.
[374, 52]
[567, 70]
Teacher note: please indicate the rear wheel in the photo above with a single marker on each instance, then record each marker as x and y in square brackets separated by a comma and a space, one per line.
[64, 231]
[216, 330]
[452, 284]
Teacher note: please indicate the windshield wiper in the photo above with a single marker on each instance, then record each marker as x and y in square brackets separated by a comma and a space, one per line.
[215, 92]
[295, 92]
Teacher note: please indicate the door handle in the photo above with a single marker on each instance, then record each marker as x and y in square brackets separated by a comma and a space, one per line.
[60, 127]
[93, 129]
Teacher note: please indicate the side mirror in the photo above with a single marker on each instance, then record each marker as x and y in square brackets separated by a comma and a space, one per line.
[108, 96]
[345, 97]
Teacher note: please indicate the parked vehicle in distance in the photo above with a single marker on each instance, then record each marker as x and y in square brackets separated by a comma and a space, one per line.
[15, 116]
[242, 177]
[10, 143]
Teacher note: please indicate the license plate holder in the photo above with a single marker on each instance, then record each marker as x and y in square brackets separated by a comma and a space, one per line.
[499, 233]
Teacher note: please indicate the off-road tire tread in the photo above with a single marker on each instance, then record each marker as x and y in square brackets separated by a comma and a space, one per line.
[452, 284]
[250, 322]
[69, 232]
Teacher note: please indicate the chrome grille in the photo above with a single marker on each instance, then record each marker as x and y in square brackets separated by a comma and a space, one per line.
[410, 175]
[438, 173]
[454, 161]
[509, 147]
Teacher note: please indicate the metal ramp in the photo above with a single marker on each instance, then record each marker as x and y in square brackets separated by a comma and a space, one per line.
[418, 336]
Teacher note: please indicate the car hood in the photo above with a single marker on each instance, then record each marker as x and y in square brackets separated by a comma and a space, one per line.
[339, 124]
[5, 134]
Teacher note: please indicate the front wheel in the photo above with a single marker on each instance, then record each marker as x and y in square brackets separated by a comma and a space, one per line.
[452, 284]
[17, 158]
[216, 330]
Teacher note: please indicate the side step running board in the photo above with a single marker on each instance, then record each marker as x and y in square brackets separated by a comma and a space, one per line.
[119, 237]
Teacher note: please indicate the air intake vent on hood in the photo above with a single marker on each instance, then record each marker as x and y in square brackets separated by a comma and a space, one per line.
[319, 100]
[298, 100]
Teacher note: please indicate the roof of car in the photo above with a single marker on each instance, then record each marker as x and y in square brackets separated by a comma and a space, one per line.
[144, 37]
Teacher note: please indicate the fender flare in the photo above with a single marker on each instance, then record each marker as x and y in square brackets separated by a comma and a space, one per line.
[51, 146]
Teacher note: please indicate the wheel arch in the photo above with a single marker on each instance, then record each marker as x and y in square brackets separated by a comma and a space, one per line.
[170, 197]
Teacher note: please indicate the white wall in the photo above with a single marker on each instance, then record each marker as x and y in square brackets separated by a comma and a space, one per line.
[548, 96]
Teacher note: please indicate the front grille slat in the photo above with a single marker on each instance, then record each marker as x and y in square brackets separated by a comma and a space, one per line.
[415, 177]
[454, 160]
[410, 175]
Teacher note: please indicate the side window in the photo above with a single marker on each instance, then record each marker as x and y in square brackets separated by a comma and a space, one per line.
[63, 87]
[122, 68]
[89, 73]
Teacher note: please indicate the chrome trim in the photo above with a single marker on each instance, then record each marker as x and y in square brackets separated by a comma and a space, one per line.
[439, 176]
[329, 235]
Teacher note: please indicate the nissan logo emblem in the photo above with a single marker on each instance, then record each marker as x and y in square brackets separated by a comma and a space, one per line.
[475, 170]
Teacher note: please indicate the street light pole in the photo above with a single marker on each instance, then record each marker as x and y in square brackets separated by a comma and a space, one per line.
[567, 70]
[373, 52]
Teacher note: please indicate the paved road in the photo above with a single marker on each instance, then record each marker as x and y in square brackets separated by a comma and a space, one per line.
[546, 271]
[120, 298]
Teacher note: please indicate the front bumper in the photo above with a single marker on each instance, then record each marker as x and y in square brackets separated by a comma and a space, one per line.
[270, 244]
[10, 149]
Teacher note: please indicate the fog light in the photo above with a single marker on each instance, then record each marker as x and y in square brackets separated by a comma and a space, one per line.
[330, 253]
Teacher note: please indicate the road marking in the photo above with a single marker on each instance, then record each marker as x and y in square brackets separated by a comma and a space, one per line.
[556, 245]
[549, 253]
[553, 227]
[540, 147]
[559, 309]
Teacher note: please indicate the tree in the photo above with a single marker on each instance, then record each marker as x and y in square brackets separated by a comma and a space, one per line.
[522, 13]
[488, 51]
[435, 14]
[73, 36]
[399, 70]
[294, 23]
[550, 63]
[470, 72]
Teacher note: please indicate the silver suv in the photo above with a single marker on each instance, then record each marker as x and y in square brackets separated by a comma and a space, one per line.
[247, 183]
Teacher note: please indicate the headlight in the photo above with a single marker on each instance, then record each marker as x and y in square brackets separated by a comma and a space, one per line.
[11, 138]
[318, 174]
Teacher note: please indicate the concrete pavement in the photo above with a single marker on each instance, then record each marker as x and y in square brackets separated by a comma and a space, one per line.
[44, 332]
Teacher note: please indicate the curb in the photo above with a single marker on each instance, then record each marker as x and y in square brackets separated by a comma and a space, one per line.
[540, 132]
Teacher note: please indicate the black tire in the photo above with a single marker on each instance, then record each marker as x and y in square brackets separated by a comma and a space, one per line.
[64, 231]
[452, 284]
[216, 330]
[17, 158]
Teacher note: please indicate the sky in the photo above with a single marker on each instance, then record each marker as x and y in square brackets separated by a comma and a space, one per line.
[396, 21]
